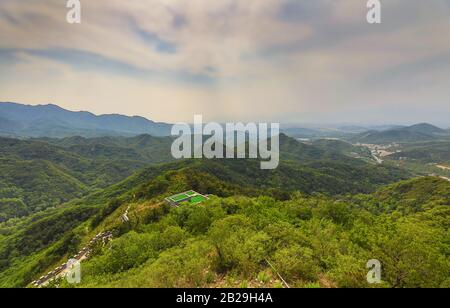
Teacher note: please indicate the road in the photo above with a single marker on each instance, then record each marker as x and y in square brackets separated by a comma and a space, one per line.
[443, 167]
[377, 159]
[124, 217]
[83, 254]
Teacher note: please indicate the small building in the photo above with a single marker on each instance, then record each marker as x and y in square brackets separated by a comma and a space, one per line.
[191, 197]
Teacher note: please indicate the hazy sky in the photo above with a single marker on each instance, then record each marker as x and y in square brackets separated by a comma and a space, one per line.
[231, 60]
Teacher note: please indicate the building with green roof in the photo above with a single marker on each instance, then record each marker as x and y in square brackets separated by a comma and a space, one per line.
[191, 197]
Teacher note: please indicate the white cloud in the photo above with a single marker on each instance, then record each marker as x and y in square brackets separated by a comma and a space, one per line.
[263, 65]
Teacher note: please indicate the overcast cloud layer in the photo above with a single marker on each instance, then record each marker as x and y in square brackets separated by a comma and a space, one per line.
[231, 60]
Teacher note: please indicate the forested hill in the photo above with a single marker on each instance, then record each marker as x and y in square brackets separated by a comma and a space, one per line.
[37, 174]
[303, 168]
[414, 133]
[68, 168]
[41, 173]
[313, 241]
[228, 177]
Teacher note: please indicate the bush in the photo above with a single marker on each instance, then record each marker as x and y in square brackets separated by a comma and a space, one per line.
[190, 266]
[296, 263]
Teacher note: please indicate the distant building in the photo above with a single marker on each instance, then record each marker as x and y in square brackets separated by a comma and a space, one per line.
[191, 197]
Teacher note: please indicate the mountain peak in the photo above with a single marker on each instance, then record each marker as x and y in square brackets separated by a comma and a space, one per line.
[51, 120]
[425, 128]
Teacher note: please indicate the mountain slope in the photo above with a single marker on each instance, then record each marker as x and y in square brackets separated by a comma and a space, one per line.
[426, 128]
[415, 133]
[312, 241]
[37, 174]
[411, 196]
[35, 184]
[423, 191]
[34, 244]
[303, 167]
[142, 147]
[53, 121]
[426, 152]
[84, 165]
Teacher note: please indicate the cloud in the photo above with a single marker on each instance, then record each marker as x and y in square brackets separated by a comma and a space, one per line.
[286, 60]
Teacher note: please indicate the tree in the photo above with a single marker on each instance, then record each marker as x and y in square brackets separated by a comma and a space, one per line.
[412, 253]
[296, 263]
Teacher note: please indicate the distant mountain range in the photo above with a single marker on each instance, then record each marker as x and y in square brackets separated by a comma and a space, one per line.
[352, 132]
[25, 121]
[18, 120]
[414, 133]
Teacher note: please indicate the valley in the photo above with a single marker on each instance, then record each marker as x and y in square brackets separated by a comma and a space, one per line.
[235, 225]
[41, 173]
[428, 154]
[226, 144]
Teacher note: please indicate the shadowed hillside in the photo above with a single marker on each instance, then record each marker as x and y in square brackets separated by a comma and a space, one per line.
[53, 121]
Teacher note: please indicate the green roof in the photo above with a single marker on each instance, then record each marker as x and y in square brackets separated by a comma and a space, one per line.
[179, 197]
[190, 196]
[197, 199]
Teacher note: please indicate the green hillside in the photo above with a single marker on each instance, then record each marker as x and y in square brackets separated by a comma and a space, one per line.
[142, 147]
[37, 174]
[312, 241]
[316, 219]
[406, 197]
[415, 133]
[42, 173]
[31, 186]
[425, 152]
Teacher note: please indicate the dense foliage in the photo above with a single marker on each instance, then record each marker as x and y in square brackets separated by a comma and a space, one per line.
[310, 241]
[425, 152]
[37, 174]
[316, 220]
[42, 173]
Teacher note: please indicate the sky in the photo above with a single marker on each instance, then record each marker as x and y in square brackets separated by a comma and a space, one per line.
[289, 61]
